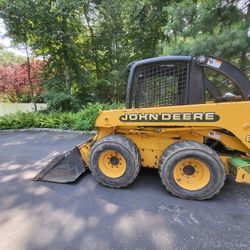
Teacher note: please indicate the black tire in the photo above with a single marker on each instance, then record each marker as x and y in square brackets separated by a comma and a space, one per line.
[190, 149]
[127, 149]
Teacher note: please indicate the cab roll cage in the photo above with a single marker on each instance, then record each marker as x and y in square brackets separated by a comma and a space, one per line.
[196, 82]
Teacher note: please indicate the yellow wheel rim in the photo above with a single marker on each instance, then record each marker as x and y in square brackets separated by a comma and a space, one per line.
[191, 174]
[112, 164]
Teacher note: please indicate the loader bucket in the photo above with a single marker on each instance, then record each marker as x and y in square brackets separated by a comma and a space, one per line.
[63, 168]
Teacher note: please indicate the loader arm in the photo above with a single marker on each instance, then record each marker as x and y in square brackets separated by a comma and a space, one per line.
[229, 70]
[212, 89]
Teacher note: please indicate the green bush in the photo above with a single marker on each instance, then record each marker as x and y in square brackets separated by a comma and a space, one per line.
[57, 99]
[61, 102]
[83, 120]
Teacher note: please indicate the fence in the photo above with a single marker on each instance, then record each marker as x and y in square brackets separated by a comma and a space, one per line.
[11, 108]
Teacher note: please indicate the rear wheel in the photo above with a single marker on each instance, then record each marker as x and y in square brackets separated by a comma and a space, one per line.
[115, 161]
[191, 170]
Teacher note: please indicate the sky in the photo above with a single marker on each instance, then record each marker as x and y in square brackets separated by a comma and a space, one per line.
[6, 41]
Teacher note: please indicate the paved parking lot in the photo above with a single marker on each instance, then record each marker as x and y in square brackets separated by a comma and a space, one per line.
[86, 215]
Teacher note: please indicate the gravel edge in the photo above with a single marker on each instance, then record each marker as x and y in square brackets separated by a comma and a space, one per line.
[47, 130]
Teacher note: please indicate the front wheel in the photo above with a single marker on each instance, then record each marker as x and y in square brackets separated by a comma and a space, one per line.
[191, 170]
[115, 161]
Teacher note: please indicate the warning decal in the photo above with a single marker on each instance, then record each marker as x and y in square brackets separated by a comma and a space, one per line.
[214, 63]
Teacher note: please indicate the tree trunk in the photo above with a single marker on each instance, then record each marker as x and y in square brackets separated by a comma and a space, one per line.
[67, 73]
[29, 77]
[93, 45]
[243, 56]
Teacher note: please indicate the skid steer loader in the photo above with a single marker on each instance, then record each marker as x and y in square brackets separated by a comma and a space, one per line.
[169, 124]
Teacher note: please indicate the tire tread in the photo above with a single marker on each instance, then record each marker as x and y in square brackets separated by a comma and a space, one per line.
[129, 145]
[183, 145]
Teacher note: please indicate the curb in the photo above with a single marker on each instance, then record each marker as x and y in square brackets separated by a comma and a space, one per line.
[47, 130]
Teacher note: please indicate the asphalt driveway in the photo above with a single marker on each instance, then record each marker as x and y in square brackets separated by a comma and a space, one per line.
[86, 215]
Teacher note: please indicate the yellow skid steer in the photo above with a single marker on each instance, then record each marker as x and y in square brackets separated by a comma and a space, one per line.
[177, 120]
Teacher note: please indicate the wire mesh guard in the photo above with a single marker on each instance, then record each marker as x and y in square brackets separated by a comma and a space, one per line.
[160, 85]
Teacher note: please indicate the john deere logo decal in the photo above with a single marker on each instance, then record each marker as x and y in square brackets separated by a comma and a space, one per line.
[170, 117]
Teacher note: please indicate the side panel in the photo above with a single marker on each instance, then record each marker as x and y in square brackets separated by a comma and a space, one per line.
[234, 117]
[151, 142]
[152, 146]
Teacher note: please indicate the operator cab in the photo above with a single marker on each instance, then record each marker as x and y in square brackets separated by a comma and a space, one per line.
[183, 80]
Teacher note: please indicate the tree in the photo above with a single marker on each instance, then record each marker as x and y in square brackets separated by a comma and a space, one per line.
[88, 43]
[14, 81]
[148, 19]
[209, 27]
[122, 32]
[19, 27]
[58, 37]
[244, 60]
